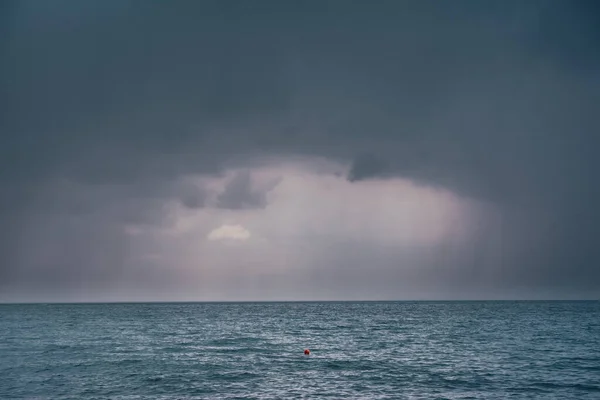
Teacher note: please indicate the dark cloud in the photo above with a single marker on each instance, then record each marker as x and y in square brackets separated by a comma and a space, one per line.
[367, 166]
[193, 196]
[240, 193]
[495, 101]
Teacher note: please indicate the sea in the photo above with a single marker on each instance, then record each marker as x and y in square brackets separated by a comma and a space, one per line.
[358, 350]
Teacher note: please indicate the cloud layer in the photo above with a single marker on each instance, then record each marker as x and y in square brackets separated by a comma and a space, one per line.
[119, 117]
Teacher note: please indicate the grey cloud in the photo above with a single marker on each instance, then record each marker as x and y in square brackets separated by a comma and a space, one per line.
[365, 167]
[193, 196]
[102, 99]
[240, 193]
[495, 101]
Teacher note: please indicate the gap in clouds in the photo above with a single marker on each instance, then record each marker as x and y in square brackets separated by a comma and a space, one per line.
[317, 230]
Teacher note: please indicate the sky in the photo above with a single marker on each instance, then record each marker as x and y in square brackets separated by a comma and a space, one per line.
[316, 150]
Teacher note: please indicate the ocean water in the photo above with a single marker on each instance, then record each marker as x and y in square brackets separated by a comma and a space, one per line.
[362, 350]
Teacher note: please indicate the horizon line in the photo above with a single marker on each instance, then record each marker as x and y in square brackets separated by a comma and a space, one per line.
[286, 301]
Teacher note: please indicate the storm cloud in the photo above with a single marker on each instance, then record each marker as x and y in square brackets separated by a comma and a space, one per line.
[239, 193]
[124, 123]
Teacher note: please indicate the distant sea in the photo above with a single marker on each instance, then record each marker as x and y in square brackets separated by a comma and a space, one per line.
[359, 350]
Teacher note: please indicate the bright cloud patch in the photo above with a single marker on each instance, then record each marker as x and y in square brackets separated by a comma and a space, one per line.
[235, 232]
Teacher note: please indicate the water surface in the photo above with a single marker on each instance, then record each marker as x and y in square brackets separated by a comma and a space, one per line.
[370, 350]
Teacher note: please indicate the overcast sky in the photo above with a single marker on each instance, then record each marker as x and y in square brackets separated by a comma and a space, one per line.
[279, 150]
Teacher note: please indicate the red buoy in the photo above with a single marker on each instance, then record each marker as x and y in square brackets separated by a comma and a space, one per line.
[306, 352]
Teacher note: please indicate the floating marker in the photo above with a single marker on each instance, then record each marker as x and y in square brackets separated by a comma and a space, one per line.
[306, 352]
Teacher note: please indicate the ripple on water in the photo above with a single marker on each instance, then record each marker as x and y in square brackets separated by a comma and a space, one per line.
[412, 350]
